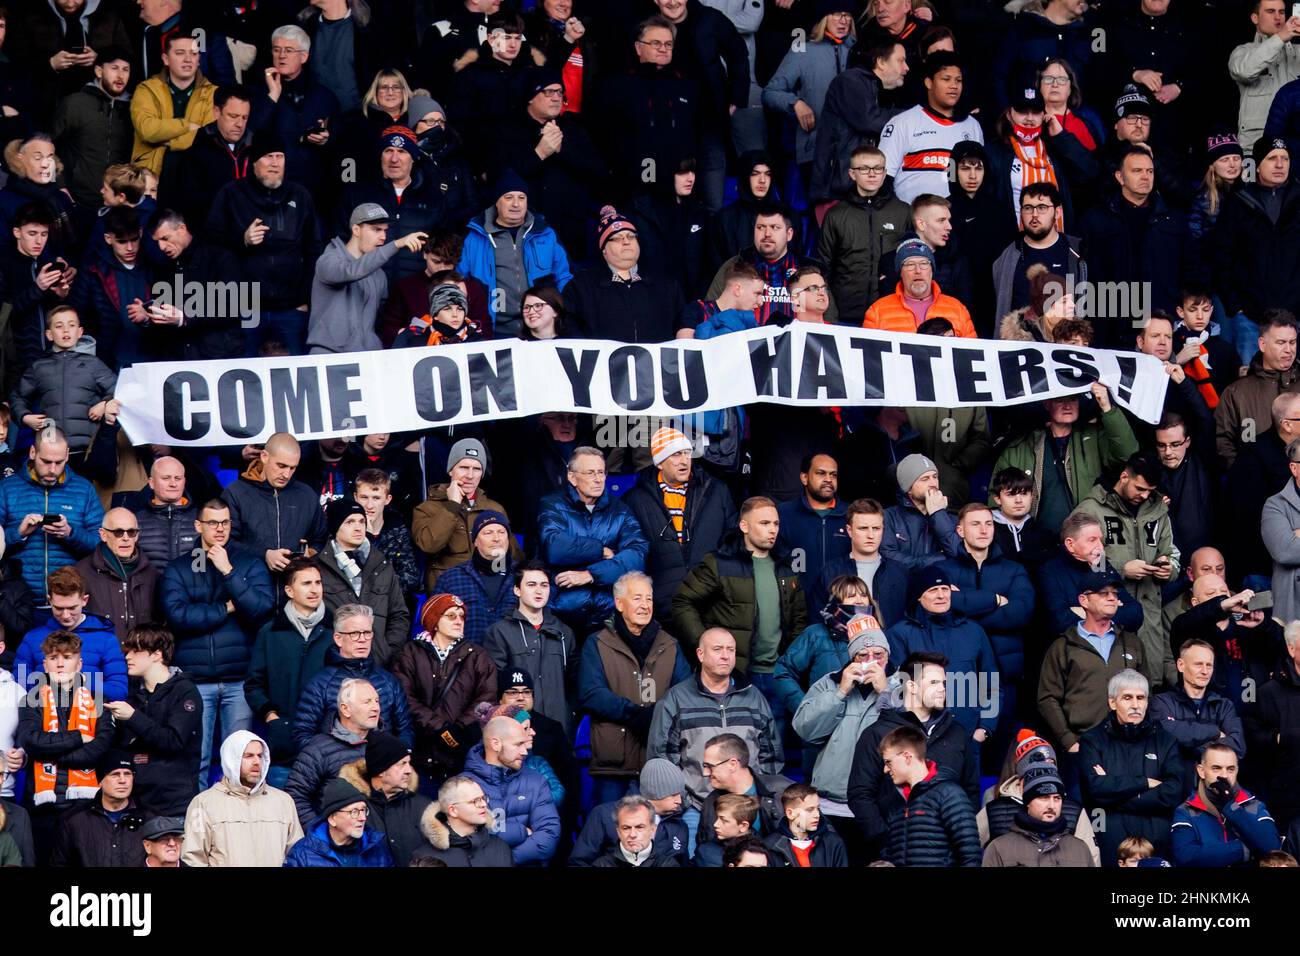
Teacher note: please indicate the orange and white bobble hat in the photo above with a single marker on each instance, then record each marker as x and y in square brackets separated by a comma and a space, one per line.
[864, 631]
[436, 607]
[667, 442]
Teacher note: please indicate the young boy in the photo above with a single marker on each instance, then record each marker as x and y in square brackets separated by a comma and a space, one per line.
[1208, 359]
[1136, 851]
[34, 280]
[732, 311]
[446, 322]
[801, 840]
[736, 815]
[125, 187]
[1015, 530]
[67, 384]
[10, 460]
[64, 733]
[385, 527]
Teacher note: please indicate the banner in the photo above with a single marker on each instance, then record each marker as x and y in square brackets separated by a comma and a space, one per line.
[401, 390]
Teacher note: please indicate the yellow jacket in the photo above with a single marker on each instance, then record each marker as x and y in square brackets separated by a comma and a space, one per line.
[156, 130]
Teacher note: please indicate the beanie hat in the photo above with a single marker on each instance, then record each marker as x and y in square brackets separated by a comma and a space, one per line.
[539, 78]
[969, 149]
[667, 442]
[338, 793]
[1032, 749]
[509, 182]
[864, 631]
[1041, 780]
[447, 294]
[611, 222]
[383, 751]
[1265, 146]
[338, 511]
[422, 106]
[436, 607]
[1220, 144]
[467, 448]
[1132, 102]
[912, 249]
[403, 137]
[509, 677]
[910, 469]
[113, 760]
[661, 779]
[922, 579]
[486, 518]
[265, 141]
[824, 8]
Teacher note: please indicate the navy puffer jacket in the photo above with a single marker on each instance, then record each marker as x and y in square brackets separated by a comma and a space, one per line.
[522, 799]
[935, 825]
[976, 597]
[42, 554]
[969, 653]
[316, 849]
[318, 705]
[213, 644]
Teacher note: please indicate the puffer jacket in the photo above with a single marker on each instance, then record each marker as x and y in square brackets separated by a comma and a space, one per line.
[442, 529]
[124, 601]
[440, 697]
[317, 763]
[978, 586]
[157, 129]
[890, 313]
[283, 662]
[317, 849]
[599, 835]
[41, 554]
[521, 800]
[835, 724]
[971, 661]
[915, 540]
[827, 848]
[1074, 680]
[710, 513]
[396, 817]
[815, 653]
[63, 386]
[480, 848]
[264, 517]
[283, 263]
[230, 824]
[163, 739]
[1250, 400]
[1243, 831]
[573, 539]
[1023, 847]
[719, 592]
[1130, 754]
[859, 236]
[101, 653]
[318, 705]
[1196, 723]
[688, 716]
[1145, 536]
[933, 824]
[167, 531]
[619, 693]
[381, 591]
[549, 653]
[212, 643]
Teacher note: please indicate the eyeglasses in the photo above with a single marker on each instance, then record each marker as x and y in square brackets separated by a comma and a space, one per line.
[553, 93]
[710, 767]
[356, 635]
[439, 123]
[1037, 208]
[873, 170]
[357, 813]
[214, 523]
[810, 288]
[389, 88]
[1056, 81]
[591, 473]
[285, 50]
[123, 532]
[657, 44]
[1171, 445]
[532, 307]
[1139, 120]
[476, 802]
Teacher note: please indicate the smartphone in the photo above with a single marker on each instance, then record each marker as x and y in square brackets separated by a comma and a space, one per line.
[54, 519]
[1263, 600]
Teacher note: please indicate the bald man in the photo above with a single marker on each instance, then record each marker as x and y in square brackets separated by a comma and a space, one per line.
[1203, 561]
[523, 813]
[121, 581]
[274, 515]
[1247, 644]
[167, 521]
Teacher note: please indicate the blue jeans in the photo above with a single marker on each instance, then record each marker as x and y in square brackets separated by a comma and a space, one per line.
[276, 777]
[1243, 333]
[692, 820]
[711, 170]
[608, 789]
[284, 325]
[766, 684]
[235, 715]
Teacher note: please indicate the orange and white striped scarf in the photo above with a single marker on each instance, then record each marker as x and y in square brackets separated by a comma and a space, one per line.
[1198, 372]
[82, 784]
[1036, 168]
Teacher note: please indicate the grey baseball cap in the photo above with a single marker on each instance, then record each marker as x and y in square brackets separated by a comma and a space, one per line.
[368, 212]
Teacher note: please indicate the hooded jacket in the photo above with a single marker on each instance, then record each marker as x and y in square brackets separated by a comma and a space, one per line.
[932, 823]
[834, 724]
[381, 591]
[265, 517]
[101, 653]
[397, 817]
[441, 697]
[318, 705]
[688, 716]
[544, 259]
[443, 530]
[231, 824]
[674, 233]
[214, 644]
[126, 601]
[574, 538]
[91, 131]
[41, 554]
[1005, 269]
[548, 652]
[163, 738]
[282, 663]
[521, 799]
[157, 131]
[1074, 680]
[347, 293]
[733, 226]
[64, 385]
[710, 513]
[858, 238]
[481, 848]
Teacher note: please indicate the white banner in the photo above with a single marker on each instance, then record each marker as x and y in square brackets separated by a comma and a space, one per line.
[402, 390]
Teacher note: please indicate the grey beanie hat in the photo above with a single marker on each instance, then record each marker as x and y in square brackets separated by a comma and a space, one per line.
[467, 448]
[869, 638]
[911, 468]
[661, 779]
[422, 106]
[444, 295]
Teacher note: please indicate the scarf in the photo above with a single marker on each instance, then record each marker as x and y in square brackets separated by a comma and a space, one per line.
[304, 625]
[123, 569]
[639, 644]
[1041, 827]
[674, 498]
[350, 566]
[427, 638]
[1034, 168]
[81, 784]
[1198, 370]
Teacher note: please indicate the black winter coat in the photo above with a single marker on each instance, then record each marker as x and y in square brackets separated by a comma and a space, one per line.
[423, 208]
[674, 236]
[1115, 254]
[1075, 167]
[397, 817]
[827, 850]
[1256, 262]
[710, 514]
[163, 737]
[1274, 742]
[481, 848]
[599, 835]
[203, 336]
[712, 52]
[192, 182]
[281, 666]
[1131, 805]
[381, 591]
[934, 825]
[91, 132]
[87, 838]
[266, 517]
[167, 531]
[597, 307]
[665, 127]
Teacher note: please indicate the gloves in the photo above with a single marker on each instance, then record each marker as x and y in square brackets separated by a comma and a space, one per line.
[640, 722]
[1221, 792]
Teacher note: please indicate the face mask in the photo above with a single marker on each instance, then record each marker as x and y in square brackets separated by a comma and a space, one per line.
[1025, 134]
[434, 140]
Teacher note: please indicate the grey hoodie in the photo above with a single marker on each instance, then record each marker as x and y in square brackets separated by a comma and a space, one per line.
[346, 294]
